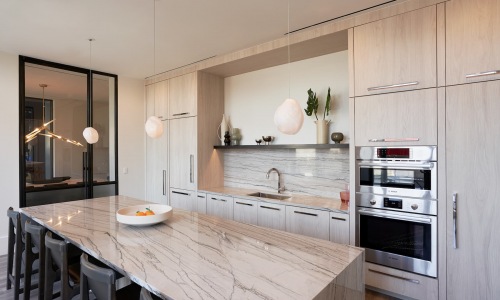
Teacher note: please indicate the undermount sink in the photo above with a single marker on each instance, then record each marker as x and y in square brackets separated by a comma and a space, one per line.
[269, 196]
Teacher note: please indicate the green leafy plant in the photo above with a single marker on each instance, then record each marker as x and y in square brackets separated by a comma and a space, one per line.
[313, 104]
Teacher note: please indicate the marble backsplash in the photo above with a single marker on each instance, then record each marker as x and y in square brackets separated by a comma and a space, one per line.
[312, 172]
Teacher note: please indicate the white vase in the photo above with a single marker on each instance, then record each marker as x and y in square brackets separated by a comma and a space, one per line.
[222, 129]
[322, 131]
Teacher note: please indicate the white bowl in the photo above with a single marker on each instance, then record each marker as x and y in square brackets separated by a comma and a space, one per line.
[127, 215]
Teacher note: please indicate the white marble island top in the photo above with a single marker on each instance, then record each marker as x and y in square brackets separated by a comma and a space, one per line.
[196, 256]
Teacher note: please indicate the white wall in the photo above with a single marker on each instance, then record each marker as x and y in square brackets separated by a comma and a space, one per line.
[252, 98]
[9, 149]
[131, 137]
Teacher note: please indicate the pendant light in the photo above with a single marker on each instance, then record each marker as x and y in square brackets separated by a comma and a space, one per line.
[90, 134]
[44, 130]
[154, 126]
[289, 116]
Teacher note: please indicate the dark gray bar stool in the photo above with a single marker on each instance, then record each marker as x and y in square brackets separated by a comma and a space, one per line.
[102, 282]
[146, 295]
[35, 248]
[14, 252]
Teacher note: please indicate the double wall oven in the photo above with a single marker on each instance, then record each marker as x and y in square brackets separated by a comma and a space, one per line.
[396, 207]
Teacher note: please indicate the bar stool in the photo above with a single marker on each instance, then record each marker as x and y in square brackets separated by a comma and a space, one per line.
[35, 240]
[146, 295]
[14, 252]
[58, 254]
[102, 282]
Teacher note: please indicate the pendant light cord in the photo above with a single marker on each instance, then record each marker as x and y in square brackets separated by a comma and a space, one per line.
[154, 57]
[43, 103]
[288, 50]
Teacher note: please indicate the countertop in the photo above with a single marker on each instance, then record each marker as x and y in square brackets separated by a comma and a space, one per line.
[331, 204]
[196, 256]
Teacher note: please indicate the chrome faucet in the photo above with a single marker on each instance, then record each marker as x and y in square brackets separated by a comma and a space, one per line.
[280, 188]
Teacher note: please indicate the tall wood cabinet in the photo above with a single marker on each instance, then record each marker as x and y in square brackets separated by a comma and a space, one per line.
[183, 150]
[472, 41]
[396, 53]
[472, 178]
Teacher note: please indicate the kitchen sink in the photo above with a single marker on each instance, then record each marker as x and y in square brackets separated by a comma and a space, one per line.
[269, 196]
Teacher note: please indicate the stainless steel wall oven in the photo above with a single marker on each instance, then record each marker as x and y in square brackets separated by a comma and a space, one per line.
[396, 207]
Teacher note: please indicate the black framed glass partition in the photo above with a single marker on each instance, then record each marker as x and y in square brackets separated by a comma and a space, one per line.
[56, 163]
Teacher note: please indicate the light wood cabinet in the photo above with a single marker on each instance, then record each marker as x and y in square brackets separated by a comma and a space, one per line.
[183, 153]
[472, 41]
[271, 215]
[339, 228]
[157, 97]
[307, 221]
[183, 199]
[473, 174]
[201, 203]
[220, 206]
[408, 118]
[396, 53]
[183, 96]
[245, 211]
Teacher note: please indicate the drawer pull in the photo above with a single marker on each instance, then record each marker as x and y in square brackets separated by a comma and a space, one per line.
[268, 207]
[340, 219]
[181, 114]
[217, 199]
[395, 276]
[201, 196]
[390, 140]
[247, 204]
[181, 193]
[305, 213]
[392, 86]
[487, 73]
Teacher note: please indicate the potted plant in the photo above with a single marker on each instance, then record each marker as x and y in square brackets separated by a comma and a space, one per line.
[322, 129]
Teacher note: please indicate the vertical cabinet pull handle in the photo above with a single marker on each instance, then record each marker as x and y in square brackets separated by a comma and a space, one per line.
[164, 182]
[454, 199]
[191, 170]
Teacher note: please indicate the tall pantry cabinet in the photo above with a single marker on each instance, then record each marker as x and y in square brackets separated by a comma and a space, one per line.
[472, 149]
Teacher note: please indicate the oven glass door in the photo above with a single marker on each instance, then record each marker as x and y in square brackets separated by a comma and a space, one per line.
[402, 237]
[412, 179]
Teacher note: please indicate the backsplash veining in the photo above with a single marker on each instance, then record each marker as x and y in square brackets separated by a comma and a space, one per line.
[313, 172]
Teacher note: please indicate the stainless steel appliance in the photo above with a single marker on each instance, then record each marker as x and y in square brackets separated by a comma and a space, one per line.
[396, 207]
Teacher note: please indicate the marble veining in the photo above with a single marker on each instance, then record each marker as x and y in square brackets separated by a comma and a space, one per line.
[196, 256]
[310, 172]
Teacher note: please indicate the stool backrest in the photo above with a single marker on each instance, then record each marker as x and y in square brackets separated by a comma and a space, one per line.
[35, 238]
[145, 295]
[56, 253]
[100, 280]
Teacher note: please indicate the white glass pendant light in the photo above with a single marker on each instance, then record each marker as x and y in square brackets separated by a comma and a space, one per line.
[90, 134]
[289, 116]
[154, 126]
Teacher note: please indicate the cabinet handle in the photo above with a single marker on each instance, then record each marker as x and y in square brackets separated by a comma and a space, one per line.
[390, 140]
[223, 200]
[395, 276]
[164, 182]
[181, 114]
[160, 117]
[191, 171]
[305, 213]
[340, 219]
[487, 73]
[454, 200]
[200, 196]
[247, 204]
[385, 87]
[181, 193]
[268, 207]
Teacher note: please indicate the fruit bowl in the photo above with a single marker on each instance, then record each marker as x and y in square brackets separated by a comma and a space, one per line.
[127, 215]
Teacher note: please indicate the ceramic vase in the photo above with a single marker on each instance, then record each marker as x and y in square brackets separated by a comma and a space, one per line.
[222, 129]
[322, 131]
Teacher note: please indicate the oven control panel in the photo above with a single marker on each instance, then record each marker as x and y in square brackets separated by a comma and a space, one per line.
[393, 152]
[393, 203]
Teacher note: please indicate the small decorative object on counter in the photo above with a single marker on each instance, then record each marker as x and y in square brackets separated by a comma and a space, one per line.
[235, 136]
[267, 139]
[227, 138]
[223, 127]
[258, 141]
[337, 137]
[322, 126]
[345, 194]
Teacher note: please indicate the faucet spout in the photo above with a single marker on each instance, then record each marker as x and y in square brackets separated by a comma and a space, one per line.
[280, 188]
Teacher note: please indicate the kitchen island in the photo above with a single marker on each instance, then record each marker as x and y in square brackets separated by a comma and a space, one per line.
[196, 256]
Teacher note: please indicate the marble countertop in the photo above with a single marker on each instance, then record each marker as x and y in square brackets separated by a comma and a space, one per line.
[299, 200]
[196, 256]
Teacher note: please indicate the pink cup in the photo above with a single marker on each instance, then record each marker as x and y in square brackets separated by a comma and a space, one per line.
[344, 196]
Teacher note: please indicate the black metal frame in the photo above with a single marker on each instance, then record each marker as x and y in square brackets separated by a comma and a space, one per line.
[89, 73]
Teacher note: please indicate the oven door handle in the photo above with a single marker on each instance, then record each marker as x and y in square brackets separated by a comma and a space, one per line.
[398, 165]
[388, 216]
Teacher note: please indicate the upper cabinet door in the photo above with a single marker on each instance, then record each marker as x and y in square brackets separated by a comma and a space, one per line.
[396, 54]
[183, 154]
[472, 41]
[157, 100]
[183, 96]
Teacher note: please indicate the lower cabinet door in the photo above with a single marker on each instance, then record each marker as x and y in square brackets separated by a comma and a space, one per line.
[339, 228]
[201, 203]
[271, 215]
[245, 211]
[182, 199]
[306, 221]
[220, 206]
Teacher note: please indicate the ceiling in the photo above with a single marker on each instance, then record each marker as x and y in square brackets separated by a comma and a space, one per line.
[186, 31]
